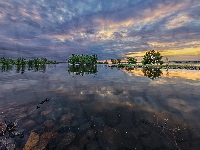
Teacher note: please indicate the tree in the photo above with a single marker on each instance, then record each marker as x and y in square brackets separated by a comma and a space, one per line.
[112, 60]
[83, 59]
[152, 57]
[131, 60]
[106, 62]
[118, 61]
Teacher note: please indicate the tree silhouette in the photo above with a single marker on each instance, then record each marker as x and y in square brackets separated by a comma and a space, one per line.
[152, 57]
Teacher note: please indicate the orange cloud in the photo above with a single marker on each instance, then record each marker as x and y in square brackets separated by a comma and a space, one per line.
[169, 52]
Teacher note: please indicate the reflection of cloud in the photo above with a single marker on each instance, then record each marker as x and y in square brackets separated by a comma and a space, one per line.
[184, 74]
[181, 105]
[136, 72]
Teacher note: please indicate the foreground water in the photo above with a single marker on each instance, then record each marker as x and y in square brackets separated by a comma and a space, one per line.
[113, 110]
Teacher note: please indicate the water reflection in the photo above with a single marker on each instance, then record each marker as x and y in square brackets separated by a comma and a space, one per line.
[22, 68]
[151, 73]
[82, 69]
[103, 112]
[6, 68]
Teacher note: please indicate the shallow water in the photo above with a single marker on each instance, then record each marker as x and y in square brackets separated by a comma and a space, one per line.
[115, 109]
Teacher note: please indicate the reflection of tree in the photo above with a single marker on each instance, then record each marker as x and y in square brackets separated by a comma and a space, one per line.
[82, 69]
[6, 68]
[129, 68]
[152, 73]
[21, 68]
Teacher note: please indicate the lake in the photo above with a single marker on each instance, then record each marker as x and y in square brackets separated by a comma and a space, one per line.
[114, 109]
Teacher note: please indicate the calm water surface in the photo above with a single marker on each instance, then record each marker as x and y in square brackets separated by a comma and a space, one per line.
[113, 110]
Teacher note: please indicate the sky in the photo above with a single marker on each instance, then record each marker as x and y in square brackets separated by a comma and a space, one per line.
[108, 28]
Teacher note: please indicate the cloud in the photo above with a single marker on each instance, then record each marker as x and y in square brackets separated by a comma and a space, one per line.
[107, 28]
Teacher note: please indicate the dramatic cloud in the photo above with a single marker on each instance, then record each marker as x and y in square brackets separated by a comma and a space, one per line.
[110, 29]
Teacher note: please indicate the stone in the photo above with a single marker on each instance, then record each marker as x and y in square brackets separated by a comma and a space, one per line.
[66, 119]
[44, 139]
[28, 123]
[90, 134]
[25, 109]
[92, 145]
[73, 148]
[10, 109]
[43, 113]
[68, 138]
[83, 140]
[109, 134]
[48, 123]
[32, 141]
[85, 126]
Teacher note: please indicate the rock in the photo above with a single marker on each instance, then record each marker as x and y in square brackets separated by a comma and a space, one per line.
[83, 141]
[85, 126]
[22, 115]
[44, 139]
[92, 145]
[73, 148]
[109, 134]
[90, 134]
[10, 109]
[25, 108]
[32, 141]
[48, 123]
[28, 123]
[66, 119]
[43, 113]
[68, 138]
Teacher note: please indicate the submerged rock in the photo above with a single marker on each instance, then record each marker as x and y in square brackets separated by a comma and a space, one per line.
[93, 145]
[48, 123]
[90, 134]
[67, 139]
[66, 119]
[73, 148]
[28, 123]
[44, 139]
[32, 141]
[45, 112]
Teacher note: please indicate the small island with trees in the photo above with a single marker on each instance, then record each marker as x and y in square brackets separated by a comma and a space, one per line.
[152, 59]
[82, 64]
[151, 64]
[86, 64]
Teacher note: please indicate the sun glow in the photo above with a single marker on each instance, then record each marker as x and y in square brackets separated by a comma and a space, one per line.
[169, 52]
